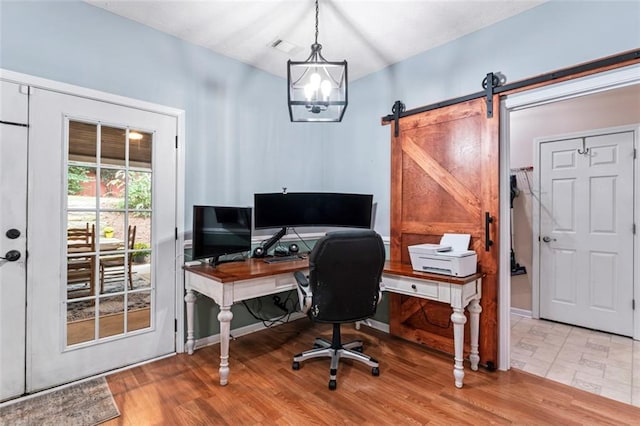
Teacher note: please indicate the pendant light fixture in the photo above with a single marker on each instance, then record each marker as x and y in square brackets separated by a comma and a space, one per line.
[317, 87]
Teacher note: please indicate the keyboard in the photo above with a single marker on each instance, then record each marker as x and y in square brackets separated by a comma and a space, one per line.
[279, 259]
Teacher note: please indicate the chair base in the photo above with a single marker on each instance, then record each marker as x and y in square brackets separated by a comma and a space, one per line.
[336, 350]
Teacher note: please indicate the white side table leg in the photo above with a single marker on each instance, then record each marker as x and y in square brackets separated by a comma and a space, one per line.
[225, 316]
[474, 310]
[190, 299]
[458, 319]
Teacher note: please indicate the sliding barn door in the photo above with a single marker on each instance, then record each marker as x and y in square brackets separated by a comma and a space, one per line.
[444, 179]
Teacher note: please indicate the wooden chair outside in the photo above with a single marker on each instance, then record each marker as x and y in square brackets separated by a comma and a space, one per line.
[81, 269]
[114, 267]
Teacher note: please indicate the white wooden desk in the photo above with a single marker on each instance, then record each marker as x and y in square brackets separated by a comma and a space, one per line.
[233, 282]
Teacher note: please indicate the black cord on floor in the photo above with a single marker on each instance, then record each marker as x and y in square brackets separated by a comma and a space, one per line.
[270, 322]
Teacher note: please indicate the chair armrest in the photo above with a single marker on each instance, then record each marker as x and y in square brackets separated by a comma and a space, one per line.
[304, 291]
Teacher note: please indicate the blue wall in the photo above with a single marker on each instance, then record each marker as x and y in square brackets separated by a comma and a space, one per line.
[238, 136]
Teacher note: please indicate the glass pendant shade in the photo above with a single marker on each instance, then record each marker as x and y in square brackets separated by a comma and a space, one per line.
[317, 88]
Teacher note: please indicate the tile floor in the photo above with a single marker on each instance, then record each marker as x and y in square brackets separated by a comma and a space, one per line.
[600, 363]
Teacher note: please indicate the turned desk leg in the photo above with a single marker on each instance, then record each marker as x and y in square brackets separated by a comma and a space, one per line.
[225, 316]
[458, 319]
[474, 310]
[190, 299]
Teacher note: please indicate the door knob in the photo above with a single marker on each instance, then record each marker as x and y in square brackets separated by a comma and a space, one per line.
[548, 239]
[11, 256]
[12, 234]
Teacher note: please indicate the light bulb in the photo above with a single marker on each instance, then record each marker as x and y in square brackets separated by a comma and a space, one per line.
[308, 91]
[314, 80]
[326, 89]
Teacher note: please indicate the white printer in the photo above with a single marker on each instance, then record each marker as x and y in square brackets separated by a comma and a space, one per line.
[451, 257]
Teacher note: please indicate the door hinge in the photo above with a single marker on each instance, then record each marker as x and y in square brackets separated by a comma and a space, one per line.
[175, 325]
[633, 304]
[176, 233]
[176, 142]
[25, 90]
[633, 229]
[635, 153]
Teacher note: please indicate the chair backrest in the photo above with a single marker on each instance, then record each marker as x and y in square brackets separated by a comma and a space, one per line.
[345, 269]
[81, 239]
[132, 236]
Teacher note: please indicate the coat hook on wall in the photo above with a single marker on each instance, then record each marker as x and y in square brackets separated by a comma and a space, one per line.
[584, 149]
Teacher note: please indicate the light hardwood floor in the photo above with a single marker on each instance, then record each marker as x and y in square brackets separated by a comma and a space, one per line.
[415, 386]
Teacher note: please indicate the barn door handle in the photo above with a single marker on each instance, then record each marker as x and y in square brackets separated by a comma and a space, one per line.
[488, 220]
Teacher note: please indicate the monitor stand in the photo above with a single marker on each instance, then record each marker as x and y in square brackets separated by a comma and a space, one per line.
[264, 248]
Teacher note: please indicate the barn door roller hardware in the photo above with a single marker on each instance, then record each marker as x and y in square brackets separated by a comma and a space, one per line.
[502, 87]
[397, 109]
[488, 84]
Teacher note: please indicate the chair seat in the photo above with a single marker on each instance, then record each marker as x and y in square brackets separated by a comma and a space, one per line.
[112, 262]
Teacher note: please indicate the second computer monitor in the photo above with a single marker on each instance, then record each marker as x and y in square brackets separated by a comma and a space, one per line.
[330, 209]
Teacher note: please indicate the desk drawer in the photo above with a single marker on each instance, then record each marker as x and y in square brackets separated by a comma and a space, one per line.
[419, 288]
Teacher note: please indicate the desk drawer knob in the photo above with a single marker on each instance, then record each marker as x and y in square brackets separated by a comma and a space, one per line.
[413, 286]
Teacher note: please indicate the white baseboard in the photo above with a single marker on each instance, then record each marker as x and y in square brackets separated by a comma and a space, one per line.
[521, 312]
[241, 331]
[376, 324]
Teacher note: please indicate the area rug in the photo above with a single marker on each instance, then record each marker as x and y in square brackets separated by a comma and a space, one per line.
[87, 403]
[77, 311]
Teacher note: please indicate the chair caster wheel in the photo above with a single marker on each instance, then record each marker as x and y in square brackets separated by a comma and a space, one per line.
[333, 385]
[295, 365]
[375, 371]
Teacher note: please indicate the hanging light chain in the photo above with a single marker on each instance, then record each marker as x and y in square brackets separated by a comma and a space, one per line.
[316, 21]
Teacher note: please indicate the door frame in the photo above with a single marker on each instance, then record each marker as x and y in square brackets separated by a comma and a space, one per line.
[179, 114]
[599, 82]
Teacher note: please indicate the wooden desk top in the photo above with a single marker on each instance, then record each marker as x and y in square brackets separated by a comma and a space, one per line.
[405, 270]
[250, 268]
[257, 268]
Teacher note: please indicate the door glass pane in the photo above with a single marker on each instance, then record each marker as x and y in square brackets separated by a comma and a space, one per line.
[82, 142]
[108, 231]
[80, 322]
[112, 235]
[139, 192]
[111, 316]
[113, 146]
[141, 254]
[140, 149]
[112, 186]
[138, 310]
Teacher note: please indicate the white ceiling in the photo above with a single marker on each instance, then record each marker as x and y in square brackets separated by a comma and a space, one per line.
[369, 34]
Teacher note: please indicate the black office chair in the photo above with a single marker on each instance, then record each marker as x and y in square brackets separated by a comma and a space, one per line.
[345, 269]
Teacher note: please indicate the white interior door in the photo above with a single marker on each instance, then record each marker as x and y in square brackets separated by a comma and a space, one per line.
[102, 220]
[13, 231]
[586, 230]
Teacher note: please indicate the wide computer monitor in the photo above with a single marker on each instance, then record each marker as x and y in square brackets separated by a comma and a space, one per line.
[219, 231]
[300, 209]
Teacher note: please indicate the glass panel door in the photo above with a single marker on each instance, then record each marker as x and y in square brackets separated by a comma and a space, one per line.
[102, 266]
